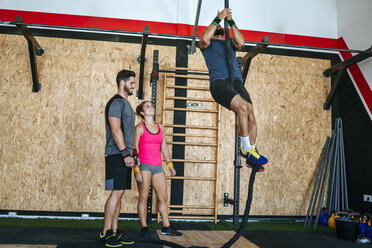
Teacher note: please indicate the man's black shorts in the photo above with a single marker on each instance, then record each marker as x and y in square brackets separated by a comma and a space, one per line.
[223, 94]
[118, 176]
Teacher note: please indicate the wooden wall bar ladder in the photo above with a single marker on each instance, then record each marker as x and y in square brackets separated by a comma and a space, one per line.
[211, 132]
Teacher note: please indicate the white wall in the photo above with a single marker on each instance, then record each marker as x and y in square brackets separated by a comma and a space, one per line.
[302, 17]
[355, 26]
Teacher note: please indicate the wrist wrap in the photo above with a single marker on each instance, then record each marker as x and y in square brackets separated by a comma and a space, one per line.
[216, 21]
[170, 165]
[231, 23]
[125, 153]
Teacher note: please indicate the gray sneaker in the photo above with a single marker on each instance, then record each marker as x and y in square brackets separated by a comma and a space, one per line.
[170, 231]
[145, 231]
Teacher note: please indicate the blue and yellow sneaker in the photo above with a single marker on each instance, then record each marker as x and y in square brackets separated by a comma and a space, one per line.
[259, 168]
[253, 157]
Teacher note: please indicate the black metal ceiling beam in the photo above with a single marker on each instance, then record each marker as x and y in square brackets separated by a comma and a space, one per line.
[246, 61]
[350, 61]
[341, 68]
[142, 61]
[34, 49]
[28, 35]
[256, 50]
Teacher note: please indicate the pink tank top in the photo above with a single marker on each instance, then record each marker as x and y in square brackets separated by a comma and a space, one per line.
[150, 146]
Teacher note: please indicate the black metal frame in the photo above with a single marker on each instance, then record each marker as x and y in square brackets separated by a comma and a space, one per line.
[237, 166]
[340, 69]
[34, 49]
[154, 85]
[142, 61]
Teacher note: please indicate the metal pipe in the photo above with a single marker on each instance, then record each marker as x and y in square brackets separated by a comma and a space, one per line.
[192, 49]
[337, 175]
[342, 197]
[325, 182]
[317, 181]
[228, 50]
[332, 186]
[344, 165]
[122, 32]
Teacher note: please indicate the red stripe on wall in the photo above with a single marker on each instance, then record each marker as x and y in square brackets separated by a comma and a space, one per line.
[357, 74]
[154, 27]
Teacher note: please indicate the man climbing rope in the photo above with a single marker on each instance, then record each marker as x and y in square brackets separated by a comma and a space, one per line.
[233, 97]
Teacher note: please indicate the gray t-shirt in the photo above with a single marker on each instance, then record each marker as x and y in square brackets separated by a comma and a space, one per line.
[120, 108]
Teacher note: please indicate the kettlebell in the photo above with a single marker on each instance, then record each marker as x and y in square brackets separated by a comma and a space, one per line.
[323, 220]
[331, 220]
[363, 227]
[369, 228]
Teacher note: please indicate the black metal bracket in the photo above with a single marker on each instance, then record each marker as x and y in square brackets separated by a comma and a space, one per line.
[335, 85]
[250, 55]
[227, 200]
[142, 61]
[34, 49]
[340, 69]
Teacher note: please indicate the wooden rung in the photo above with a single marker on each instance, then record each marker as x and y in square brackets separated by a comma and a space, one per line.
[191, 110]
[187, 87]
[192, 178]
[191, 135]
[207, 211]
[190, 126]
[191, 217]
[194, 161]
[191, 206]
[191, 143]
[190, 98]
[190, 76]
[188, 69]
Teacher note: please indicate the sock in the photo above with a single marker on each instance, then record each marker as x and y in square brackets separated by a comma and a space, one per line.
[245, 143]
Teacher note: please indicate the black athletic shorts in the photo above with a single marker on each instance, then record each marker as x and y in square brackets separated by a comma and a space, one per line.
[222, 93]
[118, 176]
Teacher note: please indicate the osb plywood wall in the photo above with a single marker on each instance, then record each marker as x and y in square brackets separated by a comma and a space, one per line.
[288, 95]
[52, 143]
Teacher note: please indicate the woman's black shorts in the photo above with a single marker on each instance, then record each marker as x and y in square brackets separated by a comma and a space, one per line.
[223, 94]
[118, 176]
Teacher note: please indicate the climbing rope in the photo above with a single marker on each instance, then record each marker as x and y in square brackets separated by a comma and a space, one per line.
[246, 211]
[238, 233]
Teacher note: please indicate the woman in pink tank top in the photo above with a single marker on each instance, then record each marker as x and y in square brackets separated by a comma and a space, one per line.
[150, 143]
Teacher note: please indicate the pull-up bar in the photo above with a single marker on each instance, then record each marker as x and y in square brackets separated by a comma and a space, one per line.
[121, 32]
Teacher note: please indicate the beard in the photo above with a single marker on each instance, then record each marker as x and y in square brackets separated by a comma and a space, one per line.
[219, 32]
[128, 90]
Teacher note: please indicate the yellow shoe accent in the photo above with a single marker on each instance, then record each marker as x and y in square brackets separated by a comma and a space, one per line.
[252, 151]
